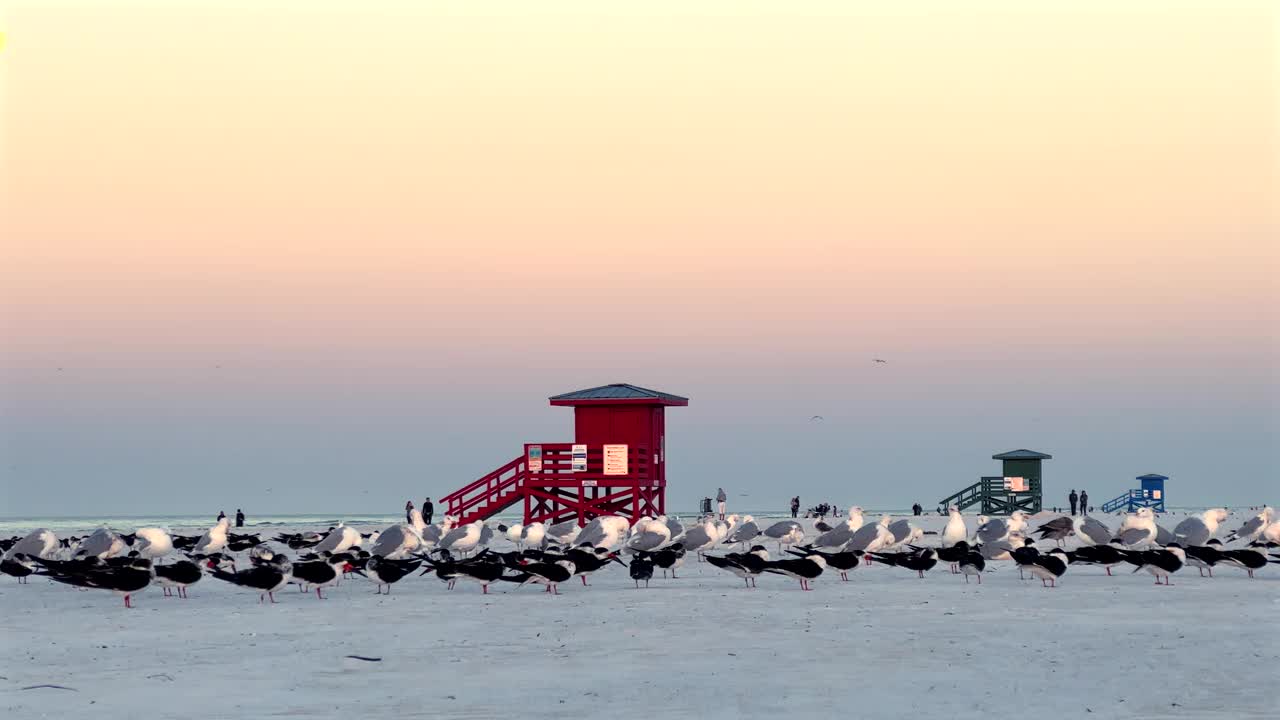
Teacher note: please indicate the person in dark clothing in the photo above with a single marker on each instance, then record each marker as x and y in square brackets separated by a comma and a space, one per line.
[221, 516]
[916, 509]
[408, 512]
[1084, 502]
[795, 506]
[428, 509]
[1074, 498]
[239, 517]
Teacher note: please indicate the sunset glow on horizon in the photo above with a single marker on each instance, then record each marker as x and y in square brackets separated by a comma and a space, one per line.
[362, 242]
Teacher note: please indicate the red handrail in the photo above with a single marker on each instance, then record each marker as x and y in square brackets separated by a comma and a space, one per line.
[488, 488]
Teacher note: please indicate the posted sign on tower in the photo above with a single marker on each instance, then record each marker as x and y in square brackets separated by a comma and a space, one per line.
[615, 459]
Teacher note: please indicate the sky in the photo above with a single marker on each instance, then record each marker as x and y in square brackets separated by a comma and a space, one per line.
[317, 256]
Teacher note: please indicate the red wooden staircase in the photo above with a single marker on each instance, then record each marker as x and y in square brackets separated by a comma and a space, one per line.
[557, 492]
[489, 495]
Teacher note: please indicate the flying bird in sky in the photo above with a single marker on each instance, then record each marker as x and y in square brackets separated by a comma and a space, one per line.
[878, 360]
[816, 418]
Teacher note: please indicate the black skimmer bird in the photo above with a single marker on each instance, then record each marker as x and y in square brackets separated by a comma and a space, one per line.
[1107, 555]
[123, 578]
[19, 565]
[587, 560]
[972, 564]
[240, 543]
[1204, 557]
[918, 560]
[385, 571]
[641, 568]
[1025, 556]
[322, 573]
[1248, 559]
[299, 541]
[267, 576]
[177, 576]
[954, 554]
[1160, 561]
[1048, 567]
[668, 558]
[482, 570]
[748, 565]
[841, 561]
[548, 574]
[804, 569]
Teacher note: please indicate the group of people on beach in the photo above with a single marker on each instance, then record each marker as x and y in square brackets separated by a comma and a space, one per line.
[428, 509]
[239, 517]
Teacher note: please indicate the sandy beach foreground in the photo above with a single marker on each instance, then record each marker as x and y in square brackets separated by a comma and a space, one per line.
[700, 646]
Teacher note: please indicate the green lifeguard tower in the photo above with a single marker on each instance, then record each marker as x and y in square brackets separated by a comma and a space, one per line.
[1018, 488]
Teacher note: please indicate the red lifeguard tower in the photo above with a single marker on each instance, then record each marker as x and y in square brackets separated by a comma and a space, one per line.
[615, 466]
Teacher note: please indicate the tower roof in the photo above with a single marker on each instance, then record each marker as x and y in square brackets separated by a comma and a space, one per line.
[1152, 476]
[1022, 454]
[618, 394]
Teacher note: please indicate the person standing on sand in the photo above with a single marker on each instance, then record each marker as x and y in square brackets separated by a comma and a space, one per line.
[1073, 498]
[221, 516]
[720, 500]
[239, 517]
[408, 512]
[1084, 502]
[795, 506]
[428, 509]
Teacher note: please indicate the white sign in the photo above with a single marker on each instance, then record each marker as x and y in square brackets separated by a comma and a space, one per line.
[615, 459]
[579, 457]
[1015, 484]
[589, 483]
[535, 458]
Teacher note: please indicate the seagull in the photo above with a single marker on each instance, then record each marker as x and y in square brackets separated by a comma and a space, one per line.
[103, 543]
[267, 578]
[1092, 532]
[1057, 529]
[700, 537]
[804, 569]
[532, 535]
[152, 542]
[39, 543]
[785, 532]
[214, 540]
[563, 533]
[744, 533]
[1000, 529]
[606, 531]
[1138, 529]
[649, 534]
[1254, 526]
[513, 533]
[432, 534]
[127, 578]
[955, 532]
[872, 537]
[339, 540]
[904, 533]
[396, 542]
[841, 534]
[747, 565]
[177, 575]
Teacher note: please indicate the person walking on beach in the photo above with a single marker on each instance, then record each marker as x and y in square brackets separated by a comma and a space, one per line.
[1084, 502]
[221, 516]
[795, 506]
[720, 500]
[428, 509]
[1074, 498]
[408, 512]
[239, 517]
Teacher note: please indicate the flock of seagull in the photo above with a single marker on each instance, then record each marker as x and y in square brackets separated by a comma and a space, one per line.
[548, 555]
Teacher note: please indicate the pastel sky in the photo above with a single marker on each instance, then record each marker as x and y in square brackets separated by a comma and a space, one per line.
[346, 250]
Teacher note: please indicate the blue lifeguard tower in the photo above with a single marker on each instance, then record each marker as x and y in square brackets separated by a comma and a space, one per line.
[1150, 495]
